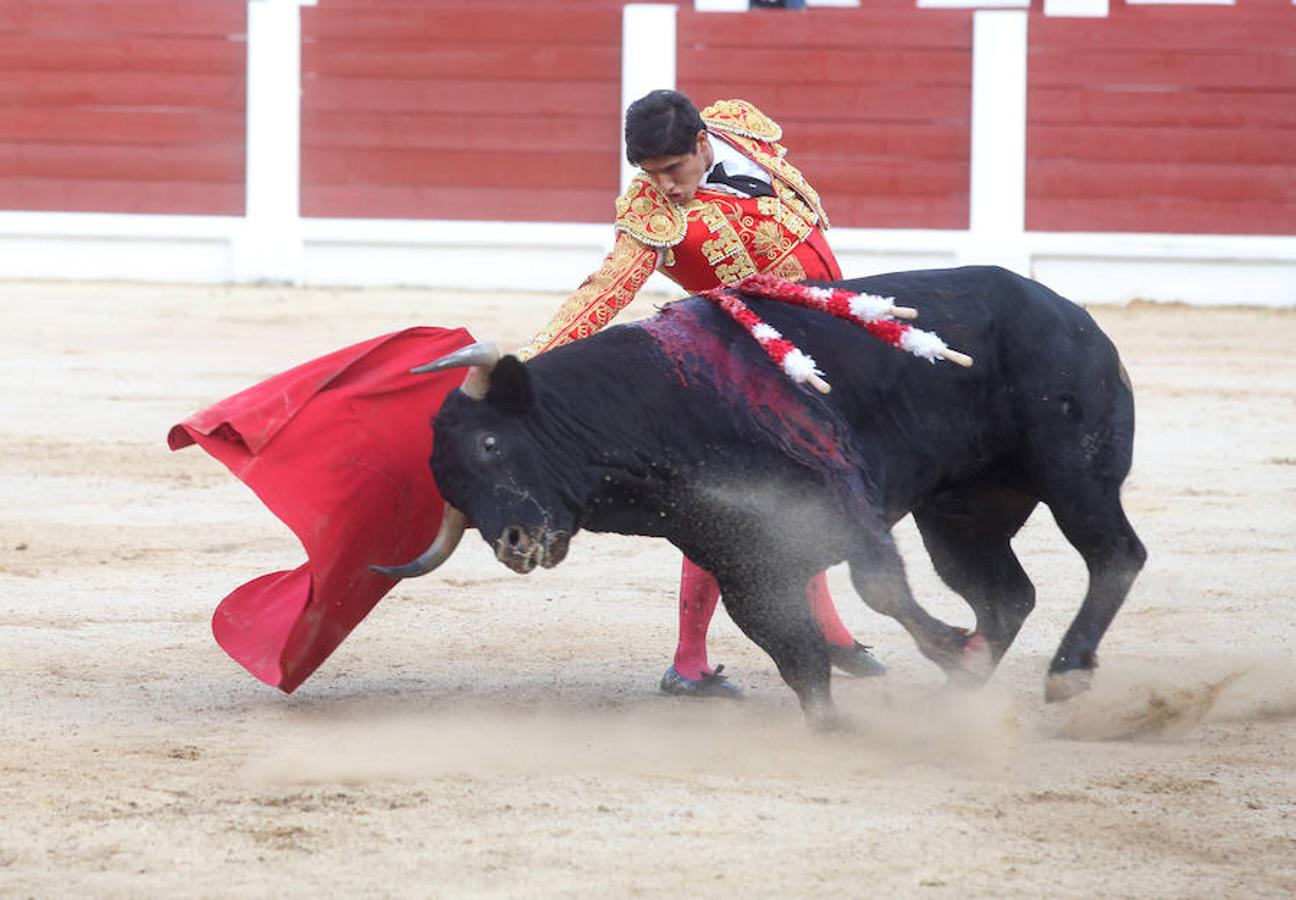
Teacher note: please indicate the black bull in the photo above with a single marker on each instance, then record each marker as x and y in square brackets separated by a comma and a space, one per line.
[679, 426]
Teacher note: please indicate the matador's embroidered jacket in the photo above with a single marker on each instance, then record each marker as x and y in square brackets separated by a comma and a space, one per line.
[716, 238]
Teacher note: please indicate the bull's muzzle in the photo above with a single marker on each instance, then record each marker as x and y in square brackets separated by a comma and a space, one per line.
[522, 549]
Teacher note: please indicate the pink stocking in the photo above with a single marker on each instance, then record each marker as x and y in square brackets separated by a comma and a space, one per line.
[698, 596]
[825, 613]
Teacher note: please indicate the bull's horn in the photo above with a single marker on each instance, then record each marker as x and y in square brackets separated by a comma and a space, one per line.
[481, 357]
[453, 525]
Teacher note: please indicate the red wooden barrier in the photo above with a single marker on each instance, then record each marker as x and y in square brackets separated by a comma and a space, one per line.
[496, 109]
[456, 110]
[1160, 119]
[1164, 119]
[123, 105]
[875, 103]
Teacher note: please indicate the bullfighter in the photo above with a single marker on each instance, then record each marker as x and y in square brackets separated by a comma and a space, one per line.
[716, 200]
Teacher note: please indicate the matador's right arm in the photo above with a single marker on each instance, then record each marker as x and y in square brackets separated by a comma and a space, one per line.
[646, 224]
[599, 298]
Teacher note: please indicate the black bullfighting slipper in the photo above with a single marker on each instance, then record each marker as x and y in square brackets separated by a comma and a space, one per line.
[856, 660]
[714, 685]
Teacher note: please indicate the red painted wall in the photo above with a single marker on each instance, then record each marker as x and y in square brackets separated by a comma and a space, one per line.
[461, 110]
[875, 103]
[1156, 119]
[131, 106]
[1164, 119]
[508, 110]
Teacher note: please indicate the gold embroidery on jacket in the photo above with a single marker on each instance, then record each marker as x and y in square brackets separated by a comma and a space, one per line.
[769, 240]
[729, 272]
[795, 215]
[784, 214]
[725, 250]
[741, 118]
[782, 170]
[790, 268]
[644, 213]
[597, 301]
[726, 242]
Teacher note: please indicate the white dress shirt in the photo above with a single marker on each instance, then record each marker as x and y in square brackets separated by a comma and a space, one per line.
[735, 163]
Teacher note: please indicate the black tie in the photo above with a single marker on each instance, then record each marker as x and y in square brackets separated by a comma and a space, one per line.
[749, 185]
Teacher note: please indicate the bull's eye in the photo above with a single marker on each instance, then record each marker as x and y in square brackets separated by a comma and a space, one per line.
[488, 443]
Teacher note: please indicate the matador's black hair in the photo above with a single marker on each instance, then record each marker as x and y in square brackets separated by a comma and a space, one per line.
[663, 123]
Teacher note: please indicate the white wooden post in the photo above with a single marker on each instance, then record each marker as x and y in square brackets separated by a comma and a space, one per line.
[1094, 9]
[647, 60]
[269, 246]
[997, 218]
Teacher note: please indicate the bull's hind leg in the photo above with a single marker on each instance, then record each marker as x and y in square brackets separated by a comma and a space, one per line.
[878, 575]
[772, 612]
[967, 531]
[1082, 457]
[1094, 522]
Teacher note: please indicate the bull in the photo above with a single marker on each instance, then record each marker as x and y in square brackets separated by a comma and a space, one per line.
[678, 426]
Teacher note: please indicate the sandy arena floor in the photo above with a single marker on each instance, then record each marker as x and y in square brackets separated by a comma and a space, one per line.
[485, 735]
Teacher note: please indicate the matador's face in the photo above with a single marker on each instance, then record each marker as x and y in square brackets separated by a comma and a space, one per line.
[678, 177]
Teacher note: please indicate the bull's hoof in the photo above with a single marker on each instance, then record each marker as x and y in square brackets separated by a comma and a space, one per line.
[971, 663]
[978, 660]
[825, 719]
[714, 685]
[1064, 685]
[855, 659]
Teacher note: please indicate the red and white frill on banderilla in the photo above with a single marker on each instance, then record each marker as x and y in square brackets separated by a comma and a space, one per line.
[876, 315]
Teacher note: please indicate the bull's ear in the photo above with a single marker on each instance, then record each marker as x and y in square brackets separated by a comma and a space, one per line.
[510, 386]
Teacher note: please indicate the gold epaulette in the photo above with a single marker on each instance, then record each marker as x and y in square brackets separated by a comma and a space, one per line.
[741, 118]
[757, 135]
[644, 213]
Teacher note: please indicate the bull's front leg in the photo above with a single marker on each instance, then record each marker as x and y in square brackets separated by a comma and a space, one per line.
[772, 612]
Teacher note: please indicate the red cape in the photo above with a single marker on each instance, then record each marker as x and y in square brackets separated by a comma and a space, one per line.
[338, 449]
